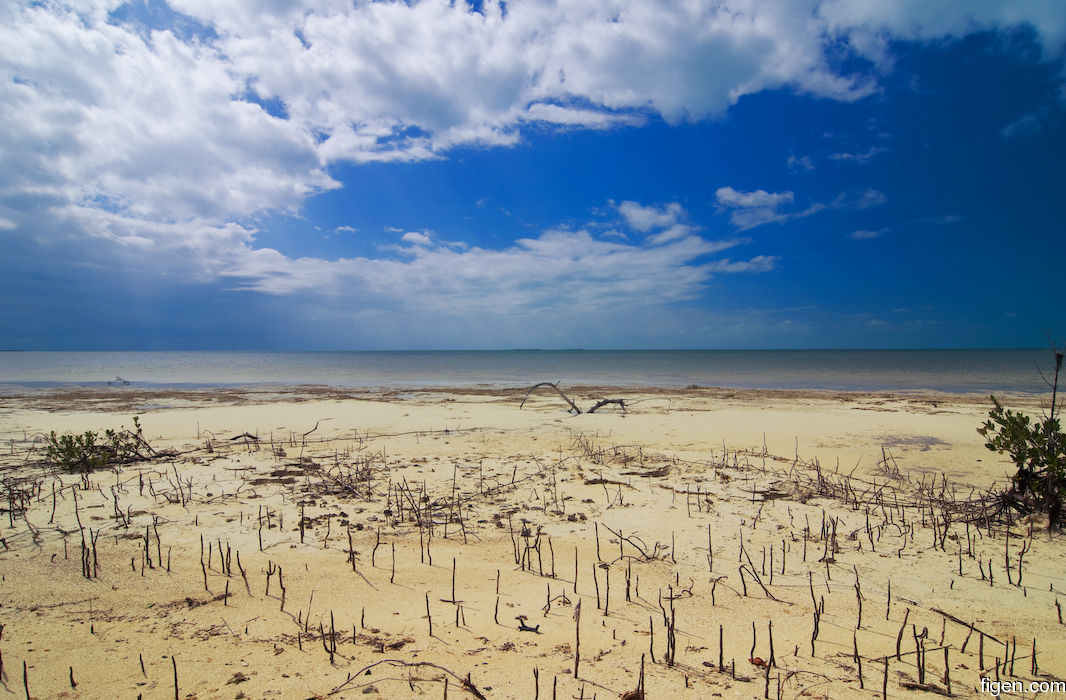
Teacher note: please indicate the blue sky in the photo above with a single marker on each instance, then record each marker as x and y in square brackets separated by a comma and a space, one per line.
[319, 174]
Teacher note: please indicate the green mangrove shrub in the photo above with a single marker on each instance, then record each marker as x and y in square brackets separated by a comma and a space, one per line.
[89, 451]
[1038, 450]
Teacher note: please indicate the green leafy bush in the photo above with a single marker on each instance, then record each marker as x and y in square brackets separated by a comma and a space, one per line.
[1038, 450]
[90, 450]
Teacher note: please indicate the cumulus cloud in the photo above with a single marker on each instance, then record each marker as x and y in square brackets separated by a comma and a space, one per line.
[247, 113]
[178, 138]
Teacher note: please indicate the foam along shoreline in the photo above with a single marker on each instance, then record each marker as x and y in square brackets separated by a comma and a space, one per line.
[314, 542]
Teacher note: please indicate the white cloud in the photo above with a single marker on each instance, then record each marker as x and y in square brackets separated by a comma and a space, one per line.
[868, 26]
[1027, 125]
[760, 263]
[155, 140]
[416, 238]
[751, 209]
[645, 218]
[558, 271]
[166, 126]
[862, 157]
[587, 118]
[672, 233]
[864, 235]
[96, 115]
[729, 197]
[803, 164]
[859, 199]
[7, 224]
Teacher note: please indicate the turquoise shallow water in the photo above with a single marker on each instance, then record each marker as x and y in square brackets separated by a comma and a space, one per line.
[959, 371]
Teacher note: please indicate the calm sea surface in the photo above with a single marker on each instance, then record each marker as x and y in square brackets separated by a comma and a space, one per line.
[982, 371]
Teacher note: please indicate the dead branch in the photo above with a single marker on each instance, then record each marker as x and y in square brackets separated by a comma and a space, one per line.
[573, 406]
[603, 402]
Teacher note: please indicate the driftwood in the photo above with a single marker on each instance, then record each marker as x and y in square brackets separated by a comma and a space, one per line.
[555, 386]
[603, 402]
[573, 406]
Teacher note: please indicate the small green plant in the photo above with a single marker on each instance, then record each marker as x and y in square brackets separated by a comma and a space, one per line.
[1038, 450]
[90, 450]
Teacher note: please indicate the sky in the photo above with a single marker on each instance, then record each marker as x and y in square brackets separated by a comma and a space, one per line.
[330, 174]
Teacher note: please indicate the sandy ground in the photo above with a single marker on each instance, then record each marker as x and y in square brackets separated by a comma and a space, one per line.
[313, 542]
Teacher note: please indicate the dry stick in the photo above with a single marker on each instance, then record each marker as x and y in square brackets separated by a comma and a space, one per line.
[174, 663]
[899, 637]
[858, 659]
[651, 639]
[858, 596]
[607, 591]
[597, 527]
[710, 550]
[721, 666]
[428, 616]
[772, 661]
[551, 549]
[919, 654]
[577, 635]
[947, 671]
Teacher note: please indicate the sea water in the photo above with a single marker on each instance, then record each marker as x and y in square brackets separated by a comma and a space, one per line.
[958, 371]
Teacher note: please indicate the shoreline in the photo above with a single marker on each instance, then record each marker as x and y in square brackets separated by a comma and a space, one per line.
[91, 391]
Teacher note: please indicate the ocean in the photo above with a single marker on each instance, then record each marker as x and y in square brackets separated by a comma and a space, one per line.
[956, 371]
